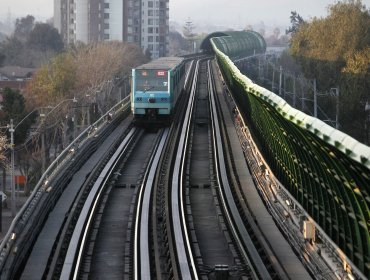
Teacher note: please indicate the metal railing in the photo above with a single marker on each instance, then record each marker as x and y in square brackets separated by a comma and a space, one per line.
[43, 187]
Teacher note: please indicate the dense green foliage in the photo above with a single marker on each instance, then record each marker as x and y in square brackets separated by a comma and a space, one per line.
[23, 27]
[336, 51]
[45, 37]
[13, 107]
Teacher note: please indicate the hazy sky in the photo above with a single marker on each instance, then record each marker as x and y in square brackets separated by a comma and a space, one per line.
[232, 13]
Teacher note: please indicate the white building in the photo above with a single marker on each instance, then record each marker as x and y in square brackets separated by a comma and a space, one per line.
[143, 22]
[155, 27]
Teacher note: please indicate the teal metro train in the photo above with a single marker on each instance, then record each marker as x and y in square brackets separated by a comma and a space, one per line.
[156, 87]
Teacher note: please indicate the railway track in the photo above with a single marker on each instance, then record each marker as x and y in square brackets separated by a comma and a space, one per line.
[82, 242]
[142, 236]
[185, 254]
[97, 242]
[143, 258]
[103, 261]
[65, 220]
[163, 205]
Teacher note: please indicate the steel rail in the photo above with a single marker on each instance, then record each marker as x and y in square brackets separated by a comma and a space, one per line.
[160, 236]
[234, 219]
[142, 222]
[183, 248]
[187, 77]
[79, 237]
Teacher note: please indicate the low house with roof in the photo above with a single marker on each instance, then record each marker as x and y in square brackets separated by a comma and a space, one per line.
[15, 73]
[14, 77]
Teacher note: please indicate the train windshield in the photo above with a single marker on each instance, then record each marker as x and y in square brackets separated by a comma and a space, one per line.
[151, 80]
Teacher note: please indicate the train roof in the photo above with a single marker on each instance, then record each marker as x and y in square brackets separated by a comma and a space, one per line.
[162, 63]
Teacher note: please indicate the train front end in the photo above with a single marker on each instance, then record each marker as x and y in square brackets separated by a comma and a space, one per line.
[151, 99]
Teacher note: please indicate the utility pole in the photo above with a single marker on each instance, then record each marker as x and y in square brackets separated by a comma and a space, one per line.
[280, 80]
[314, 99]
[294, 93]
[336, 92]
[260, 75]
[43, 152]
[302, 98]
[88, 114]
[11, 130]
[74, 122]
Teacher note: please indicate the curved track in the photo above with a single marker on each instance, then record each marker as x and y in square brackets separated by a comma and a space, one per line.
[183, 242]
[185, 261]
[242, 237]
[162, 225]
[73, 259]
[142, 257]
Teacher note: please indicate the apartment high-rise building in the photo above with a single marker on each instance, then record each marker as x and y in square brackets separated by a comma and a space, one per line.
[155, 26]
[144, 22]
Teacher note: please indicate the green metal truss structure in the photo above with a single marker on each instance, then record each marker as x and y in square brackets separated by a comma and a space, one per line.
[236, 44]
[325, 170]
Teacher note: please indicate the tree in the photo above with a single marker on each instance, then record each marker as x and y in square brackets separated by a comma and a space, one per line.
[23, 27]
[31, 44]
[2, 58]
[12, 104]
[4, 163]
[334, 50]
[3, 147]
[52, 82]
[13, 107]
[336, 37]
[296, 20]
[44, 37]
[83, 70]
[87, 72]
[288, 63]
[112, 59]
[12, 48]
